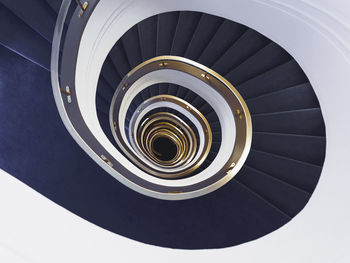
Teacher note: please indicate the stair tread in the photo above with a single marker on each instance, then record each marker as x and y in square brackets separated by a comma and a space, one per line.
[281, 77]
[268, 57]
[242, 49]
[221, 41]
[119, 59]
[185, 29]
[298, 122]
[40, 18]
[148, 37]
[166, 28]
[23, 39]
[132, 47]
[305, 148]
[287, 198]
[292, 98]
[206, 28]
[300, 174]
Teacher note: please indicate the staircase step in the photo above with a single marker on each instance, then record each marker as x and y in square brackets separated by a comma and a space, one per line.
[287, 198]
[148, 37]
[35, 13]
[185, 29]
[221, 41]
[281, 77]
[206, 29]
[309, 149]
[262, 61]
[294, 98]
[119, 59]
[245, 46]
[300, 174]
[166, 28]
[132, 47]
[300, 122]
[110, 74]
[22, 39]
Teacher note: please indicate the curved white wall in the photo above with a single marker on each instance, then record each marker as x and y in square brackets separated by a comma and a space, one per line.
[317, 34]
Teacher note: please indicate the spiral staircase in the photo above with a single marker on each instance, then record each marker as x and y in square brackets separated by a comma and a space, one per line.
[273, 185]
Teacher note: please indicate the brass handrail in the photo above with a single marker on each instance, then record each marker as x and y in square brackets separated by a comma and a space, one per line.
[233, 98]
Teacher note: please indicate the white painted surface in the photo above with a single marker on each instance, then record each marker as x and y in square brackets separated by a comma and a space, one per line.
[316, 33]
